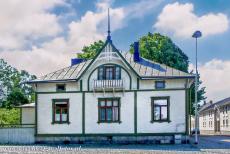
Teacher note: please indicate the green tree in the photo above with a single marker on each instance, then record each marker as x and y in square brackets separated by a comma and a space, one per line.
[15, 98]
[161, 49]
[91, 50]
[11, 80]
[9, 116]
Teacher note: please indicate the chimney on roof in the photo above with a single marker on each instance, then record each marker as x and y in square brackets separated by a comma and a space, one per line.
[136, 55]
[204, 102]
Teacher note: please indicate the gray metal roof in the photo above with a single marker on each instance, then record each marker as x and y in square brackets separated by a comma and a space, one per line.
[211, 106]
[151, 70]
[160, 70]
[68, 73]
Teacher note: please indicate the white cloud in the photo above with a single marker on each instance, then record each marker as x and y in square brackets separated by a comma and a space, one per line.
[215, 75]
[56, 53]
[22, 20]
[180, 20]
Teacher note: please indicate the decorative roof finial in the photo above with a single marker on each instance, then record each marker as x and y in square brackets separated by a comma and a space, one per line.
[108, 37]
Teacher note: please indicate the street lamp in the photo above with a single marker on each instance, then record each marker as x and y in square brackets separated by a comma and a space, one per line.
[196, 35]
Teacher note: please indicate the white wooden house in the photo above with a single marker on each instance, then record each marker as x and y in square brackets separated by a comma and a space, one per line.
[115, 96]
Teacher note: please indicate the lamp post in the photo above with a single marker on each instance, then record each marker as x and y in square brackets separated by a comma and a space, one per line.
[196, 35]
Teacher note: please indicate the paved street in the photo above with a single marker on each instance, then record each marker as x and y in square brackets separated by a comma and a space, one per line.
[208, 144]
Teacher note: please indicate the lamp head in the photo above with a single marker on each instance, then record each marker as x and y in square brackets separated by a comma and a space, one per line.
[197, 34]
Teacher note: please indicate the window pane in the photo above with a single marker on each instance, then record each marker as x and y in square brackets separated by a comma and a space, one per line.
[109, 114]
[109, 103]
[102, 103]
[115, 103]
[164, 113]
[102, 114]
[57, 111]
[64, 111]
[61, 87]
[109, 73]
[156, 113]
[160, 102]
[57, 117]
[115, 113]
[160, 84]
[117, 73]
[64, 117]
[100, 73]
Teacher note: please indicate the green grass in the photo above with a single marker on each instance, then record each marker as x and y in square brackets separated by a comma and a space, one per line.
[9, 116]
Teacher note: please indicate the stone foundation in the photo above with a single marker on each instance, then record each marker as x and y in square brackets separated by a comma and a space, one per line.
[114, 140]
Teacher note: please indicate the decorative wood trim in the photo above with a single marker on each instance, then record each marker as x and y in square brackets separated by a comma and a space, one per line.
[135, 112]
[140, 90]
[81, 85]
[36, 113]
[83, 113]
[20, 115]
[121, 67]
[138, 83]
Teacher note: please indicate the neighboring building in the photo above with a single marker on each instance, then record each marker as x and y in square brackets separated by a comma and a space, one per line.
[215, 117]
[115, 96]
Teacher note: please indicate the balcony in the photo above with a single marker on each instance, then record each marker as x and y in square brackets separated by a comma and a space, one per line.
[107, 85]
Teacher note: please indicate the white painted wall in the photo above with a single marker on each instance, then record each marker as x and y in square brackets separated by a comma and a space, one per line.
[28, 116]
[207, 117]
[177, 112]
[45, 114]
[51, 87]
[223, 117]
[126, 114]
[169, 83]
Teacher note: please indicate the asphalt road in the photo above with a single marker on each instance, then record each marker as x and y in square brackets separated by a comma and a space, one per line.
[207, 144]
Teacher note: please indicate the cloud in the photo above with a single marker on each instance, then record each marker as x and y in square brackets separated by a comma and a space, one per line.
[215, 75]
[24, 20]
[180, 20]
[55, 53]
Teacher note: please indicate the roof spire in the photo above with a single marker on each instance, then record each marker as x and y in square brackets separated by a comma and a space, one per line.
[108, 37]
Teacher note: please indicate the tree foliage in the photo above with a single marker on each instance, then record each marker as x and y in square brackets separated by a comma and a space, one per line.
[15, 98]
[91, 50]
[11, 84]
[161, 49]
[9, 116]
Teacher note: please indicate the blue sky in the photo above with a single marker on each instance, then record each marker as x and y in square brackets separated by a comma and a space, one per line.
[215, 46]
[42, 36]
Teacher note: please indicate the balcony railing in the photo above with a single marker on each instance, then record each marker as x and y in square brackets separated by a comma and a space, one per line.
[108, 84]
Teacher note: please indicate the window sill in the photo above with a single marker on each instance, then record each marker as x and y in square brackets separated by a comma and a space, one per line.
[160, 121]
[109, 122]
[60, 123]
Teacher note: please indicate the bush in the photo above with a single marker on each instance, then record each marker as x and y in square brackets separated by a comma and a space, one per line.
[9, 116]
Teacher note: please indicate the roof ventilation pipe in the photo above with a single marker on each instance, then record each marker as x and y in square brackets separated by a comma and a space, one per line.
[136, 55]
